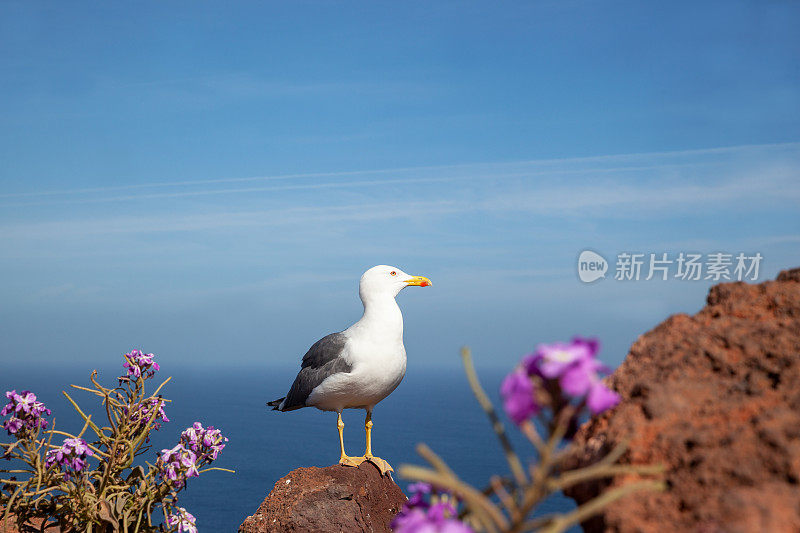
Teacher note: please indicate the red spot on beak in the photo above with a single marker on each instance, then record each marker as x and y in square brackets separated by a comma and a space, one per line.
[424, 284]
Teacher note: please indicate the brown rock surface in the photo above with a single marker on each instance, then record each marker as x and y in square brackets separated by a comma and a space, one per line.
[715, 397]
[10, 525]
[333, 499]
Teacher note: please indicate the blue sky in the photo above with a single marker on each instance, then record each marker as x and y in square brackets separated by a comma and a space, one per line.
[208, 181]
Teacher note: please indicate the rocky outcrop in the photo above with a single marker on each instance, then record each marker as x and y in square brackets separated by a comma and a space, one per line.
[715, 398]
[9, 526]
[333, 499]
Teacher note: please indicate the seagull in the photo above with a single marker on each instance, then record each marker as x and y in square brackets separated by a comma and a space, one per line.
[360, 366]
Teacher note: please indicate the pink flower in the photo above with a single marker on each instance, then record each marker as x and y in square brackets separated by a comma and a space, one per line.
[601, 398]
[26, 413]
[205, 442]
[551, 360]
[177, 465]
[184, 520]
[574, 367]
[143, 411]
[421, 516]
[13, 425]
[583, 379]
[518, 396]
[70, 456]
[140, 364]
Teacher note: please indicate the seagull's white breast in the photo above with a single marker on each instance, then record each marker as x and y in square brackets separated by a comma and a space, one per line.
[377, 370]
[378, 366]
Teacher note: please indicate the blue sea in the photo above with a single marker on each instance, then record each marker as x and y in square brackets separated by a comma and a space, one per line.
[434, 406]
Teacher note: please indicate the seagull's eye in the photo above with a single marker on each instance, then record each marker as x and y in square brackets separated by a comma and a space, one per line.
[393, 273]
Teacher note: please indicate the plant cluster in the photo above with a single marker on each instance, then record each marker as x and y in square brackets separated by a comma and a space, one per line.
[93, 484]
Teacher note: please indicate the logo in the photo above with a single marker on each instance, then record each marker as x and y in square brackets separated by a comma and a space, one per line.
[591, 266]
[685, 266]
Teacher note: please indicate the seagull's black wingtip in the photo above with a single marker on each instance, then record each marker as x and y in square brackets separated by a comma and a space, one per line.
[276, 404]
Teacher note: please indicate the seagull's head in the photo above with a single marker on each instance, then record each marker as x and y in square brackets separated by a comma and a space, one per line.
[384, 279]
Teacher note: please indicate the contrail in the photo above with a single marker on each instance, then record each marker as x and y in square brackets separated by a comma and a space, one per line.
[338, 184]
[278, 177]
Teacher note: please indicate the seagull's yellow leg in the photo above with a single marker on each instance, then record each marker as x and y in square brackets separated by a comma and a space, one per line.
[344, 459]
[382, 465]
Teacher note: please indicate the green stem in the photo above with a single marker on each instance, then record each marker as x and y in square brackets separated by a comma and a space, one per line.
[537, 490]
[216, 468]
[593, 506]
[574, 477]
[85, 417]
[511, 456]
[10, 504]
[160, 386]
[496, 484]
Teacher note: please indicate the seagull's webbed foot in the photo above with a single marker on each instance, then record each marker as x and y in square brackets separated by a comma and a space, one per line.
[346, 460]
[382, 465]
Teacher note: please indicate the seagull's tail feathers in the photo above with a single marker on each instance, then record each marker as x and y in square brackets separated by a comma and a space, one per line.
[276, 404]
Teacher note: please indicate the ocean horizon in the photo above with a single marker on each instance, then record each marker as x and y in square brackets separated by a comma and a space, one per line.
[431, 405]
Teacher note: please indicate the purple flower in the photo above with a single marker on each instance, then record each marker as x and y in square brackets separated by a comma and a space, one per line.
[583, 379]
[421, 516]
[573, 367]
[593, 345]
[518, 396]
[11, 406]
[184, 520]
[441, 510]
[436, 520]
[140, 364]
[601, 398]
[411, 521]
[419, 492]
[25, 401]
[13, 425]
[551, 360]
[70, 456]
[577, 379]
[26, 413]
[177, 465]
[205, 442]
[143, 411]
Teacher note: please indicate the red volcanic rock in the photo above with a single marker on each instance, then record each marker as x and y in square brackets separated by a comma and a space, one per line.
[10, 525]
[714, 397]
[333, 499]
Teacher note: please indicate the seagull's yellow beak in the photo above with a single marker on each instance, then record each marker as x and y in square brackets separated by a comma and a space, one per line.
[418, 281]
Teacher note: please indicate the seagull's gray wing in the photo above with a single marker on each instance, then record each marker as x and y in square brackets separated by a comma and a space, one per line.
[323, 359]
